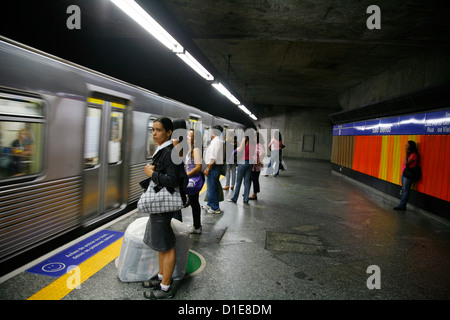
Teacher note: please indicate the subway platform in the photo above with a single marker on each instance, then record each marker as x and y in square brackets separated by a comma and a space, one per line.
[311, 234]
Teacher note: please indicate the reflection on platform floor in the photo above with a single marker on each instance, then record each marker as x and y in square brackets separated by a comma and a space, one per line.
[310, 235]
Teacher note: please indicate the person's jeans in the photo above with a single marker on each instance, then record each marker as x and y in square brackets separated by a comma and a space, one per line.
[406, 191]
[231, 173]
[212, 181]
[244, 171]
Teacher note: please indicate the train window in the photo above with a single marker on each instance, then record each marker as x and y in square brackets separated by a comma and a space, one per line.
[92, 137]
[18, 107]
[151, 145]
[115, 137]
[195, 122]
[206, 137]
[21, 137]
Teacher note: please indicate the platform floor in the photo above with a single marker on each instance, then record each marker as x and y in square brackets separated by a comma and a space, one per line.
[310, 235]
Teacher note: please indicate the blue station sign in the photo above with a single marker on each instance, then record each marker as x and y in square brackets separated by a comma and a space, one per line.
[418, 124]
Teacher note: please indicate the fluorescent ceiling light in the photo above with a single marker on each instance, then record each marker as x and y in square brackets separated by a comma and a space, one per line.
[132, 9]
[139, 15]
[195, 65]
[219, 87]
[243, 108]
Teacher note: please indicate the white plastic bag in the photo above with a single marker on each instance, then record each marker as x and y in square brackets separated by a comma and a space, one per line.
[283, 163]
[181, 248]
[139, 262]
[136, 261]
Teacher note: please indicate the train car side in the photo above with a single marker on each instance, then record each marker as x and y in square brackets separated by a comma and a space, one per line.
[88, 138]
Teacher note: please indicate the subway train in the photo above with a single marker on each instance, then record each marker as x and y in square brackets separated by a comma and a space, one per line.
[74, 143]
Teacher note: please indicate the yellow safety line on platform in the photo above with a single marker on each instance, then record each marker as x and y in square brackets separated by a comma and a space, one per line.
[62, 286]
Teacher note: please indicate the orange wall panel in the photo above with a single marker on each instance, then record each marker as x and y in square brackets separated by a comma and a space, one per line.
[446, 172]
[382, 157]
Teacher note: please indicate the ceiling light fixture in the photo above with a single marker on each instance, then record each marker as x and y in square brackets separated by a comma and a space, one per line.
[195, 65]
[219, 87]
[139, 15]
[244, 108]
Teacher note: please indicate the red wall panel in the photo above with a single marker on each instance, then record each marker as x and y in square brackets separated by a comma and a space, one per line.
[364, 154]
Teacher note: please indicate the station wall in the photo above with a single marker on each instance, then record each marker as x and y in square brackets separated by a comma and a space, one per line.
[375, 148]
[306, 131]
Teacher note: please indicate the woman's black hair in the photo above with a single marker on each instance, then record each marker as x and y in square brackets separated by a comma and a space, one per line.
[218, 127]
[413, 146]
[179, 124]
[259, 138]
[166, 123]
[251, 137]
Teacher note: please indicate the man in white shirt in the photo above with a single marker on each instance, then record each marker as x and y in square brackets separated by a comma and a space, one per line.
[213, 159]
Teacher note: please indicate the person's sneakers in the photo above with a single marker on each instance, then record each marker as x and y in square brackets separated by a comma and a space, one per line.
[400, 208]
[214, 211]
[231, 200]
[157, 294]
[206, 207]
[153, 282]
[194, 230]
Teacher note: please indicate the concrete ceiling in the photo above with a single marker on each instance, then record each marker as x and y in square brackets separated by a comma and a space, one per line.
[292, 53]
[304, 53]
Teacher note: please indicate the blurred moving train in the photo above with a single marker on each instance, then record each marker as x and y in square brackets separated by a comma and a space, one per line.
[73, 145]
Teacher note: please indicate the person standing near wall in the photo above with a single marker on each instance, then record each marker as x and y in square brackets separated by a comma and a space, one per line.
[411, 160]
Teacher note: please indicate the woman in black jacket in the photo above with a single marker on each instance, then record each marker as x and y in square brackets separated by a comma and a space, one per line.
[159, 234]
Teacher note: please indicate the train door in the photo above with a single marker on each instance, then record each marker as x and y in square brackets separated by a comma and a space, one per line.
[195, 122]
[103, 173]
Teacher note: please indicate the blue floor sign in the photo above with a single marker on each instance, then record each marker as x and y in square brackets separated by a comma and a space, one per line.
[57, 265]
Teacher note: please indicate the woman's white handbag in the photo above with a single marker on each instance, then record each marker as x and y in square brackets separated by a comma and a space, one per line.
[159, 200]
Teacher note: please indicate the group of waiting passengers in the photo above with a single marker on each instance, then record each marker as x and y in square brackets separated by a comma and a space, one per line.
[248, 157]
